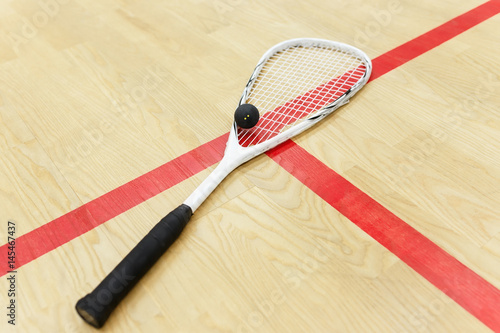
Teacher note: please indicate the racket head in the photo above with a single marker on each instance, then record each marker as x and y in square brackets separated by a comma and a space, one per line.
[296, 84]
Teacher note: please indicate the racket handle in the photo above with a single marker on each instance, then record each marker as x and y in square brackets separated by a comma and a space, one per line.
[96, 307]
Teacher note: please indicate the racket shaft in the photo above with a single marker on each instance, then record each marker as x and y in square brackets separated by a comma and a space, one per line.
[96, 307]
[224, 168]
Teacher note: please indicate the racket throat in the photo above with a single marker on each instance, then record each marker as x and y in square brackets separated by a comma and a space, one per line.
[224, 168]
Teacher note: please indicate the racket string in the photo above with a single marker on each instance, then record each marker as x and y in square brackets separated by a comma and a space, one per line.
[295, 83]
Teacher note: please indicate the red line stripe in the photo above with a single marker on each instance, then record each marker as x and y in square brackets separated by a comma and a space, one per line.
[417, 251]
[460, 283]
[94, 213]
[426, 42]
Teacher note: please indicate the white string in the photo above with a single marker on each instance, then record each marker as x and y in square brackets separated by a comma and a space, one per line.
[288, 77]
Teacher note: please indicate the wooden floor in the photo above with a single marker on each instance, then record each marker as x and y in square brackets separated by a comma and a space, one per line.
[94, 94]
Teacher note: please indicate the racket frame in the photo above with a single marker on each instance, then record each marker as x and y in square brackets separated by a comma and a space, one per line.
[97, 306]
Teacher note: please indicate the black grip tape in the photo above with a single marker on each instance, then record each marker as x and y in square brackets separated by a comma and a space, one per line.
[96, 307]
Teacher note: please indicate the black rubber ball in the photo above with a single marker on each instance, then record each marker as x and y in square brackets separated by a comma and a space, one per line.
[246, 116]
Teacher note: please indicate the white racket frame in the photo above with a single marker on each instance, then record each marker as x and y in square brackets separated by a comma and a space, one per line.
[235, 155]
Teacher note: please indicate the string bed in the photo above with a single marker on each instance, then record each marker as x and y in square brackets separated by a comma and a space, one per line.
[297, 83]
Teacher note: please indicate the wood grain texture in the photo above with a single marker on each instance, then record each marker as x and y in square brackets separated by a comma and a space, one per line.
[95, 94]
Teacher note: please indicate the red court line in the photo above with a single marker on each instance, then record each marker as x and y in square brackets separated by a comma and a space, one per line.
[423, 43]
[460, 283]
[94, 213]
[75, 223]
